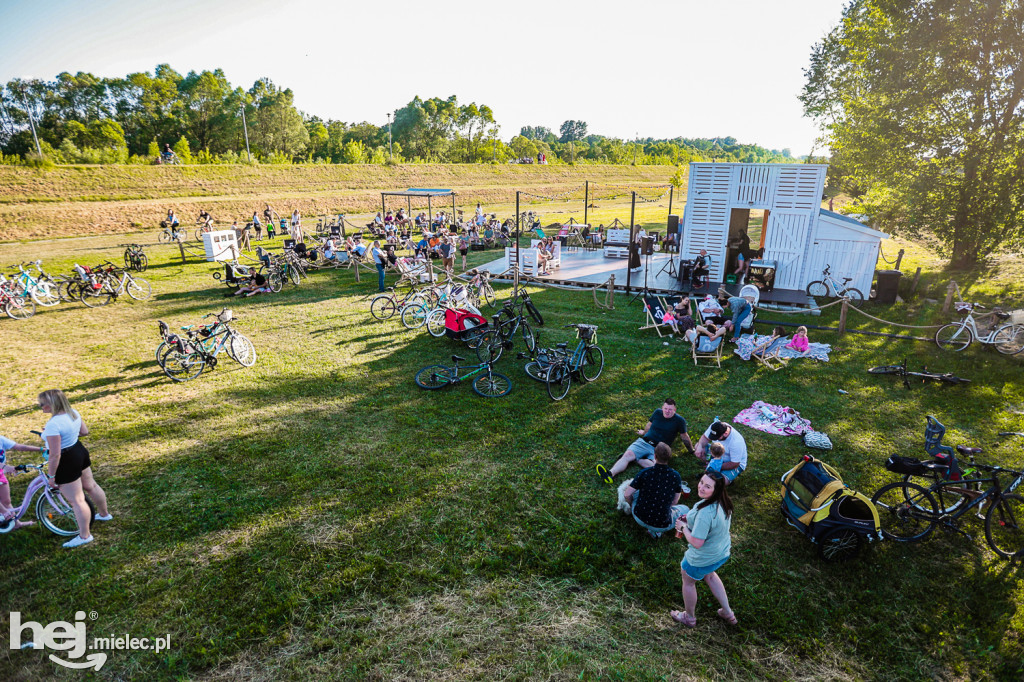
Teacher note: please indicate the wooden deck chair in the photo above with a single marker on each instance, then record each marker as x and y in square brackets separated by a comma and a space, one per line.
[707, 349]
[769, 355]
[655, 307]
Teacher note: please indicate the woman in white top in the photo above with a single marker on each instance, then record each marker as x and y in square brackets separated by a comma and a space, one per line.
[69, 464]
[296, 227]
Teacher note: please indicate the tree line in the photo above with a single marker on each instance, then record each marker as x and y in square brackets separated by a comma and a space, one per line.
[83, 118]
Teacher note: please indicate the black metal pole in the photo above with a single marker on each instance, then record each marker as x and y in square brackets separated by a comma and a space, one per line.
[632, 237]
[430, 215]
[670, 200]
[516, 231]
[382, 207]
[453, 210]
[586, 201]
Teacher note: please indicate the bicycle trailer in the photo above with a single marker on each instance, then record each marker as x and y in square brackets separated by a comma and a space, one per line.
[817, 503]
[457, 323]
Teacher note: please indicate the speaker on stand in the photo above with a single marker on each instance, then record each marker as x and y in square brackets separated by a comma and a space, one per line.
[673, 228]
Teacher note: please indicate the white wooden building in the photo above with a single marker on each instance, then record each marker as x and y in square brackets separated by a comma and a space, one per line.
[795, 232]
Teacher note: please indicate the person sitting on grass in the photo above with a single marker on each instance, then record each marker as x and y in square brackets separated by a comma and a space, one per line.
[733, 460]
[663, 427]
[654, 494]
[6, 511]
[706, 529]
[799, 342]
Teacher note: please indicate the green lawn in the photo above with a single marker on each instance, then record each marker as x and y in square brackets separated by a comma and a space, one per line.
[318, 516]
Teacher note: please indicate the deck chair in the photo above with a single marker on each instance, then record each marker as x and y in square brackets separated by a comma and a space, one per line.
[769, 355]
[655, 307]
[707, 349]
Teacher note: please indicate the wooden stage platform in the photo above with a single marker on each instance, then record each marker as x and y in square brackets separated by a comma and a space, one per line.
[587, 268]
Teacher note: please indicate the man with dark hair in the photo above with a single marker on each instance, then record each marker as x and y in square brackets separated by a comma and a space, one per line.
[733, 460]
[663, 427]
[654, 494]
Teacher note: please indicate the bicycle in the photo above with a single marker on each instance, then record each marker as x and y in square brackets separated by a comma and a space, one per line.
[42, 291]
[171, 233]
[586, 361]
[134, 258]
[16, 306]
[114, 282]
[384, 306]
[52, 510]
[541, 358]
[490, 342]
[480, 289]
[821, 288]
[489, 384]
[924, 375]
[908, 512]
[957, 336]
[186, 359]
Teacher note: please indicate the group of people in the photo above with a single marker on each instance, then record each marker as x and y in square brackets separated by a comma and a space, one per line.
[653, 497]
[68, 467]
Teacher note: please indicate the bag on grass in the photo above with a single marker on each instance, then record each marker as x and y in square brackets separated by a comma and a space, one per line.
[817, 439]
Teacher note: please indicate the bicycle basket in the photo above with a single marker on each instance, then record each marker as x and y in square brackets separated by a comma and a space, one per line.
[224, 315]
[587, 332]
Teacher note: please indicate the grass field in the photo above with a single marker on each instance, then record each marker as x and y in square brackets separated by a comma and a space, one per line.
[317, 515]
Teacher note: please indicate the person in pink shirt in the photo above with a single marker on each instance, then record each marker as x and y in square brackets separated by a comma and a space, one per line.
[799, 341]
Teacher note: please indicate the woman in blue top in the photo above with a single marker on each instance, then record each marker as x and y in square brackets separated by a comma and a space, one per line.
[706, 529]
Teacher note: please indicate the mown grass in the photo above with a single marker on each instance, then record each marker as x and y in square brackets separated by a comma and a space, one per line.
[317, 516]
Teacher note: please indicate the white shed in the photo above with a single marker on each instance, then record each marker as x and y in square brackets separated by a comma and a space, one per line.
[778, 206]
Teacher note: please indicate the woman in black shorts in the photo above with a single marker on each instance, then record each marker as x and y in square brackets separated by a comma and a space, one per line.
[69, 463]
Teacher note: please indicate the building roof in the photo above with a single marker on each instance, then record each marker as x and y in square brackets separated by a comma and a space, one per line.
[851, 223]
[421, 192]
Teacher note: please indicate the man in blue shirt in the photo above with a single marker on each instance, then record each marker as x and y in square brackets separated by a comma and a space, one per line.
[663, 427]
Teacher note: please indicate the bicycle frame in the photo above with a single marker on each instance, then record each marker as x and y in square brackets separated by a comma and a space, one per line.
[33, 487]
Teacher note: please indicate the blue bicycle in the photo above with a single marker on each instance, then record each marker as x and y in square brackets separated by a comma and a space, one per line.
[585, 362]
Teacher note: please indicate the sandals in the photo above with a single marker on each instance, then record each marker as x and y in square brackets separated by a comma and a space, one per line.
[683, 618]
[730, 619]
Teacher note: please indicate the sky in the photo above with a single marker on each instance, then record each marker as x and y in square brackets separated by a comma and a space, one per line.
[690, 68]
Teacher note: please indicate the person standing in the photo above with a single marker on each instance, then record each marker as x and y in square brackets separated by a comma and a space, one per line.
[296, 227]
[69, 463]
[379, 261]
[447, 251]
[706, 530]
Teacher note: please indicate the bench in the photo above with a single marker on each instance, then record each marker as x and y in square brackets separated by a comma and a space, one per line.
[616, 244]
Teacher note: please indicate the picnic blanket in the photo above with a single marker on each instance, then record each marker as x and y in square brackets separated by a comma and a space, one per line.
[775, 419]
[817, 351]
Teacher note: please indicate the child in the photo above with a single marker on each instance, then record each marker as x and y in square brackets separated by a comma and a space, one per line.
[6, 510]
[799, 342]
[670, 319]
[715, 452]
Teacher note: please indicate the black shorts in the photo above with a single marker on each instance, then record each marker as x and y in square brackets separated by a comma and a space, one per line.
[73, 461]
[463, 251]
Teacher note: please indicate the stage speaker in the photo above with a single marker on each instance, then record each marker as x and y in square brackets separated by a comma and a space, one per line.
[673, 224]
[647, 245]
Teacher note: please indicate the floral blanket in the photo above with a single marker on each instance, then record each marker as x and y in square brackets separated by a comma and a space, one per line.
[775, 419]
[818, 351]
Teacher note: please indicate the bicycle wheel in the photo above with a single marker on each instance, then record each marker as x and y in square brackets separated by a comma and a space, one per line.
[138, 288]
[160, 350]
[295, 275]
[1009, 339]
[241, 350]
[165, 236]
[492, 385]
[906, 511]
[856, 298]
[534, 370]
[946, 501]
[558, 380]
[58, 516]
[18, 308]
[275, 281]
[1004, 526]
[382, 307]
[534, 313]
[474, 336]
[434, 377]
[840, 544]
[127, 259]
[817, 289]
[593, 363]
[141, 262]
[886, 369]
[45, 294]
[435, 322]
[414, 316]
[180, 366]
[954, 336]
[94, 298]
[489, 296]
[529, 338]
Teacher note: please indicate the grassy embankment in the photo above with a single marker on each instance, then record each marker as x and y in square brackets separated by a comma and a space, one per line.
[317, 516]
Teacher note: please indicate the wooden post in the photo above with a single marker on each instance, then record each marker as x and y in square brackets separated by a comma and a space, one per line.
[913, 286]
[586, 199]
[181, 247]
[899, 259]
[842, 317]
[355, 263]
[611, 291]
[949, 296]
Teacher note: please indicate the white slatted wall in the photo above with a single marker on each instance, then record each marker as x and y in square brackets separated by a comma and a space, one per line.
[706, 221]
[786, 244]
[754, 187]
[799, 188]
[848, 258]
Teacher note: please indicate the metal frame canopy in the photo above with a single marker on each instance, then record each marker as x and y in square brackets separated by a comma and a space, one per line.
[419, 192]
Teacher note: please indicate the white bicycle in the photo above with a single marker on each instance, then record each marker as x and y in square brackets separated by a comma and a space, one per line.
[957, 336]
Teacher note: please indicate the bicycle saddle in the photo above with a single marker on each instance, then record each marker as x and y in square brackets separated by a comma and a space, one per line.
[964, 450]
[1001, 315]
[456, 358]
[847, 279]
[563, 346]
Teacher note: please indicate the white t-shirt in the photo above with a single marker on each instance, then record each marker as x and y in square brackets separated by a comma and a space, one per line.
[735, 447]
[5, 444]
[65, 426]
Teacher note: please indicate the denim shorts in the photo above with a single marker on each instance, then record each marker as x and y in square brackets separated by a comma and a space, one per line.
[700, 572]
[642, 449]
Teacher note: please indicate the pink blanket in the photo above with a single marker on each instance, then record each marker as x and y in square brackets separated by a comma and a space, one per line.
[781, 421]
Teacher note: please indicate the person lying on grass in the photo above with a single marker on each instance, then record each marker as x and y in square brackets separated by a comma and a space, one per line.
[663, 427]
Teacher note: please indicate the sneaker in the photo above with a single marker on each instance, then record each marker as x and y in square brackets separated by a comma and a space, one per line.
[654, 536]
[686, 490]
[100, 517]
[604, 474]
[77, 541]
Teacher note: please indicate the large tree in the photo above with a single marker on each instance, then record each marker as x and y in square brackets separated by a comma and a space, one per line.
[922, 102]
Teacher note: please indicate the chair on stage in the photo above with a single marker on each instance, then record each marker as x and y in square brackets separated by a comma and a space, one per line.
[655, 307]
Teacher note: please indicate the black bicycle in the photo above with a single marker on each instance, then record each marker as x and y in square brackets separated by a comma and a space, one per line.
[924, 375]
[488, 383]
[494, 340]
[134, 257]
[585, 362]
